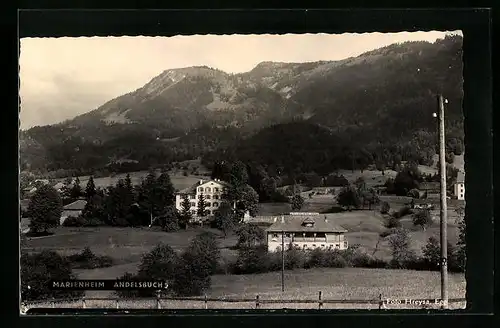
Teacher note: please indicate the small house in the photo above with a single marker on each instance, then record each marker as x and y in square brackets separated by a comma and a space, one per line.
[305, 231]
[73, 209]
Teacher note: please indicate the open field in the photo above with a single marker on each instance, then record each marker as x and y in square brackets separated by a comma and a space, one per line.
[336, 284]
[125, 245]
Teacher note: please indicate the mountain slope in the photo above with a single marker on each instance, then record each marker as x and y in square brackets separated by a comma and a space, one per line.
[377, 99]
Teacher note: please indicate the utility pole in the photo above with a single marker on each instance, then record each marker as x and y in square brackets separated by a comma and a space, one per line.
[444, 210]
[282, 260]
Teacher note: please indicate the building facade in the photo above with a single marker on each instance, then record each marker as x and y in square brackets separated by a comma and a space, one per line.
[305, 231]
[212, 190]
[459, 187]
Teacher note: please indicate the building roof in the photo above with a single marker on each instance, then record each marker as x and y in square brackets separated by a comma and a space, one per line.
[461, 177]
[192, 189]
[429, 186]
[295, 223]
[78, 205]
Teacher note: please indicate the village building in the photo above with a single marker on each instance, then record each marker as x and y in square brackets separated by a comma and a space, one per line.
[212, 191]
[73, 210]
[459, 187]
[305, 231]
[430, 190]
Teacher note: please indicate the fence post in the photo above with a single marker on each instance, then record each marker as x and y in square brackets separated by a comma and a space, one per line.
[117, 305]
[320, 304]
[158, 301]
[380, 302]
[206, 304]
[257, 302]
[53, 304]
[84, 305]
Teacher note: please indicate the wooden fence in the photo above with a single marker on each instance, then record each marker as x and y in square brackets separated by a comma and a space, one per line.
[242, 303]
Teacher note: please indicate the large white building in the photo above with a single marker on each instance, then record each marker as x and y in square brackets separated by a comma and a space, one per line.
[459, 187]
[305, 231]
[212, 190]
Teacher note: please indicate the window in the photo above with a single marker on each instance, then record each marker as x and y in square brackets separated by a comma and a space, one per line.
[209, 212]
[191, 197]
[275, 235]
[296, 245]
[193, 212]
[322, 245]
[193, 204]
[200, 189]
[208, 197]
[314, 245]
[216, 189]
[216, 196]
[207, 189]
[215, 204]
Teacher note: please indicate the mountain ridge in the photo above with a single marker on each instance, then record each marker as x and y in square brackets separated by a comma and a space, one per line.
[359, 97]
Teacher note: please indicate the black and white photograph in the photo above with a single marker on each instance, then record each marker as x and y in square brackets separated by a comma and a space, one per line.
[259, 171]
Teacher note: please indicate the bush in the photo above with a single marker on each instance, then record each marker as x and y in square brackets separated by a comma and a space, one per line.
[36, 272]
[336, 181]
[402, 254]
[393, 222]
[403, 211]
[414, 193]
[385, 208]
[191, 277]
[74, 222]
[422, 218]
[389, 231]
[295, 259]
[252, 260]
[88, 260]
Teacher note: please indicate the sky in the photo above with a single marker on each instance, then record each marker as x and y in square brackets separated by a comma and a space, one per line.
[61, 78]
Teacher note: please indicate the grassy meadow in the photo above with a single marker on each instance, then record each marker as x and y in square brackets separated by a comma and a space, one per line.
[335, 284]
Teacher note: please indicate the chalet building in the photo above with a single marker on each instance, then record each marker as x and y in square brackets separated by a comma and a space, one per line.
[73, 209]
[459, 187]
[430, 190]
[305, 231]
[212, 190]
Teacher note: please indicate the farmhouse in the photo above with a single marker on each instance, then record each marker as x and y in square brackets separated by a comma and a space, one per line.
[305, 231]
[73, 210]
[430, 189]
[459, 187]
[212, 190]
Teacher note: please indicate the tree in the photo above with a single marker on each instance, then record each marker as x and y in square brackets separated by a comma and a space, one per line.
[432, 253]
[191, 277]
[119, 204]
[404, 182]
[165, 191]
[37, 270]
[94, 211]
[297, 202]
[461, 244]
[202, 205]
[76, 189]
[45, 208]
[238, 175]
[348, 197]
[170, 219]
[90, 189]
[385, 208]
[186, 215]
[402, 254]
[422, 218]
[160, 263]
[249, 235]
[224, 218]
[206, 250]
[66, 190]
